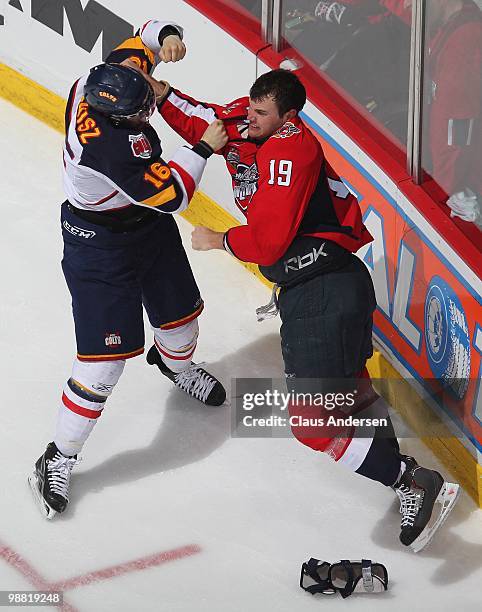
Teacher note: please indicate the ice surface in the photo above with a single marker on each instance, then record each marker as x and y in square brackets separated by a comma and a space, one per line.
[162, 472]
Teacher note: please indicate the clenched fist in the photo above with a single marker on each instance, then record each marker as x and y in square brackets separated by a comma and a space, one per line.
[205, 239]
[172, 50]
[215, 135]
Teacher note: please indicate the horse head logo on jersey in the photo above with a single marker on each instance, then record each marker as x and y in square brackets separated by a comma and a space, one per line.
[140, 146]
[287, 130]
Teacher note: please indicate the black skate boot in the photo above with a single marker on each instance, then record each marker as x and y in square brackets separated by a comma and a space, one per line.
[194, 380]
[425, 502]
[50, 481]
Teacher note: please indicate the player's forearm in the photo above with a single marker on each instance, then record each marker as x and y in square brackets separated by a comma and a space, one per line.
[255, 247]
[186, 116]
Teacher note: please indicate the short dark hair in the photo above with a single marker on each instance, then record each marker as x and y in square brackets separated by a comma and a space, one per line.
[283, 86]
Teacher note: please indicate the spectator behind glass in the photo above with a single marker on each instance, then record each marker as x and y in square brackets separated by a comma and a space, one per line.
[364, 47]
[453, 94]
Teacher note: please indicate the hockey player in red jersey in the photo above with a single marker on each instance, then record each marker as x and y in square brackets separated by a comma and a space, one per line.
[122, 248]
[303, 226]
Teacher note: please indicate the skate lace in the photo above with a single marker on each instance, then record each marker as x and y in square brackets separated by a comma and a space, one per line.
[59, 469]
[410, 502]
[195, 381]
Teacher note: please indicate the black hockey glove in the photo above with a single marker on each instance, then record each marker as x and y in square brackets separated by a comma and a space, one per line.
[345, 577]
[339, 14]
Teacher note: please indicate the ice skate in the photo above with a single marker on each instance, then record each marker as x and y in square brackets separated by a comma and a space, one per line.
[50, 481]
[194, 380]
[425, 502]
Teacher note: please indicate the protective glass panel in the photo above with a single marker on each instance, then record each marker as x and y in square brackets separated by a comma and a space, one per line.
[363, 48]
[251, 6]
[452, 125]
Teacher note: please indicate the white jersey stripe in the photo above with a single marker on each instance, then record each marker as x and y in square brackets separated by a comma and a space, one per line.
[191, 110]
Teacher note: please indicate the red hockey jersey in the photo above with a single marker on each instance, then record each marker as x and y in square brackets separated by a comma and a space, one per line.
[284, 186]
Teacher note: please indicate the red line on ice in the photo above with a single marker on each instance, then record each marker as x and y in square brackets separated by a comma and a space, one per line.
[35, 579]
[40, 583]
[130, 566]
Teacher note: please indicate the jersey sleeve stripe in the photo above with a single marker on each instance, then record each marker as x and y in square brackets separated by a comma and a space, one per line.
[163, 197]
[190, 109]
[136, 44]
[187, 180]
[145, 25]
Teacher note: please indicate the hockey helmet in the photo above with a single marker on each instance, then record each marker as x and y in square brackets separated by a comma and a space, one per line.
[119, 92]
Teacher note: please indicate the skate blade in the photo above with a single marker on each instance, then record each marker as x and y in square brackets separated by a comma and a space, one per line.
[448, 497]
[44, 508]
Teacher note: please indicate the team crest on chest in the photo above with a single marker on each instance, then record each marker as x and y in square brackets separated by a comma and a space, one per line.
[140, 146]
[287, 130]
[245, 183]
[233, 157]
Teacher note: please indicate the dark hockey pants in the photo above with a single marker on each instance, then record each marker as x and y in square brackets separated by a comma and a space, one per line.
[326, 340]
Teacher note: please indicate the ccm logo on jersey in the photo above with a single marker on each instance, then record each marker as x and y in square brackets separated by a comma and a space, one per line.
[287, 130]
[78, 231]
[303, 261]
[140, 146]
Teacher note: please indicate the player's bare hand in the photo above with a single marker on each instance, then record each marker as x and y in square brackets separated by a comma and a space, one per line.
[172, 50]
[205, 239]
[215, 135]
[161, 88]
[131, 64]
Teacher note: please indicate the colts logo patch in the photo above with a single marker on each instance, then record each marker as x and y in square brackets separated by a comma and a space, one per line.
[140, 146]
[287, 130]
[113, 339]
[109, 96]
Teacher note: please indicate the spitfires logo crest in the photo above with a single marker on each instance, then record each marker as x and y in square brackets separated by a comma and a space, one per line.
[246, 183]
[287, 130]
[140, 146]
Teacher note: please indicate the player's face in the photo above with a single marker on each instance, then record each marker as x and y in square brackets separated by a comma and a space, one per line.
[264, 118]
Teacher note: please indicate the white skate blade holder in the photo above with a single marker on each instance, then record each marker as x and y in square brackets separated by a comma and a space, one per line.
[45, 509]
[444, 504]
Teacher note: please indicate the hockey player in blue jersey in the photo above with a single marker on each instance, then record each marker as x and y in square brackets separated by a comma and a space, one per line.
[122, 248]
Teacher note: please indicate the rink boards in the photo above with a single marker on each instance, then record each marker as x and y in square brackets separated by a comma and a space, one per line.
[427, 325]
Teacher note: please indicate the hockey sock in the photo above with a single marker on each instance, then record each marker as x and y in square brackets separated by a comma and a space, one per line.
[176, 346]
[83, 399]
[382, 462]
[381, 459]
